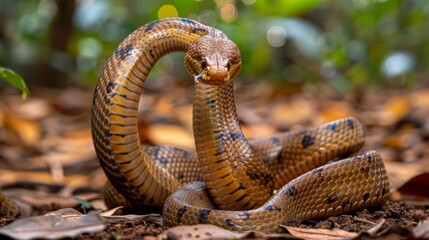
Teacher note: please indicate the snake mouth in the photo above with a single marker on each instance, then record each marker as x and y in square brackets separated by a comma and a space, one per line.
[214, 75]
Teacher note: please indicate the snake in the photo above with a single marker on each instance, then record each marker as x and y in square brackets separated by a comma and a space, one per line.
[229, 181]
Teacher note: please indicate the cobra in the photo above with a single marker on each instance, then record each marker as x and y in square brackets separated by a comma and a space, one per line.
[228, 181]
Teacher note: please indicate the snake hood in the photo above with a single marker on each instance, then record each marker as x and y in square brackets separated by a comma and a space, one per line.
[213, 60]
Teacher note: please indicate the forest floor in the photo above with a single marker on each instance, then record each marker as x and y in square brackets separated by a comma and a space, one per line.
[47, 161]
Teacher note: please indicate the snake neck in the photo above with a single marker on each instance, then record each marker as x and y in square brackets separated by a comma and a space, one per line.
[115, 108]
[235, 177]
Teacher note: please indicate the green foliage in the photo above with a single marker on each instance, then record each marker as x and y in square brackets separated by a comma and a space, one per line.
[16, 80]
[347, 43]
[85, 205]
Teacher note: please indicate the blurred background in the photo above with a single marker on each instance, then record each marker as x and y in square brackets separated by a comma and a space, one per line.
[346, 45]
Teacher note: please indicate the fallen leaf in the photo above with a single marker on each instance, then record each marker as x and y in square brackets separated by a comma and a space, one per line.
[28, 130]
[394, 109]
[53, 225]
[422, 230]
[418, 186]
[284, 115]
[208, 231]
[168, 134]
[40, 198]
[308, 233]
[201, 231]
[334, 110]
[134, 218]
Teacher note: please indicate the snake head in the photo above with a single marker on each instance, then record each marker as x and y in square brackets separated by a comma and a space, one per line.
[213, 59]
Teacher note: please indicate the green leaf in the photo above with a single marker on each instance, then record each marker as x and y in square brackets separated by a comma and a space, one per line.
[16, 80]
[85, 205]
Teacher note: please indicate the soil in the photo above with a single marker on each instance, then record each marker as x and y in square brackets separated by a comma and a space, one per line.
[400, 218]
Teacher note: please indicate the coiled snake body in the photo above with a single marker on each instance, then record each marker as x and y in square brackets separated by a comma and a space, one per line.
[239, 175]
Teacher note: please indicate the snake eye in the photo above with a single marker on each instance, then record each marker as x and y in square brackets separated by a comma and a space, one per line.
[203, 64]
[228, 65]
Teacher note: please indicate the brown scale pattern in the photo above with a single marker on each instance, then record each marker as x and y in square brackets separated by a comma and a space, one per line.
[239, 175]
[337, 188]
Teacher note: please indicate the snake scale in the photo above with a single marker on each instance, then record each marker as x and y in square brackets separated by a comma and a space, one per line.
[228, 181]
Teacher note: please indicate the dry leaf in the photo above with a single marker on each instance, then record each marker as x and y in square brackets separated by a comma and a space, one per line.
[318, 234]
[163, 134]
[201, 231]
[40, 198]
[284, 115]
[422, 230]
[395, 108]
[333, 110]
[208, 231]
[59, 224]
[259, 130]
[418, 186]
[133, 218]
[28, 130]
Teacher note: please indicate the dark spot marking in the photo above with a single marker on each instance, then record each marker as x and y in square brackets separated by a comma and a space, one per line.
[237, 135]
[208, 234]
[180, 213]
[252, 175]
[383, 191]
[350, 123]
[280, 156]
[187, 21]
[151, 25]
[156, 150]
[152, 54]
[365, 196]
[364, 169]
[180, 175]
[332, 127]
[123, 52]
[318, 171]
[267, 160]
[268, 208]
[209, 100]
[111, 86]
[368, 158]
[111, 95]
[204, 215]
[275, 140]
[272, 208]
[222, 160]
[246, 215]
[307, 141]
[163, 160]
[202, 30]
[292, 191]
[331, 199]
[219, 152]
[230, 222]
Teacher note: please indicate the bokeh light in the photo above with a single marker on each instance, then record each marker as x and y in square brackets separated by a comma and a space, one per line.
[228, 12]
[248, 2]
[167, 10]
[276, 36]
[397, 63]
